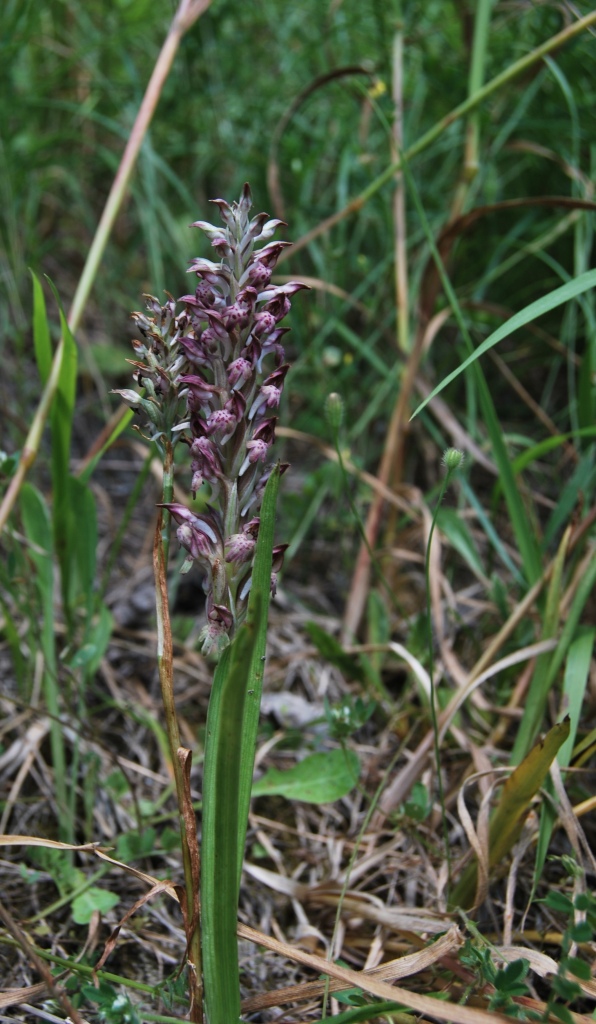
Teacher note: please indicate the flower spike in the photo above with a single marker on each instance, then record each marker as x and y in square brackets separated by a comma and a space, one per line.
[222, 356]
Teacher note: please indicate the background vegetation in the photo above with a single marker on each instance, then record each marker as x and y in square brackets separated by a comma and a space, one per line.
[300, 100]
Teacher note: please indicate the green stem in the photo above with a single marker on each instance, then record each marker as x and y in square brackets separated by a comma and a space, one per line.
[471, 160]
[165, 666]
[84, 969]
[431, 663]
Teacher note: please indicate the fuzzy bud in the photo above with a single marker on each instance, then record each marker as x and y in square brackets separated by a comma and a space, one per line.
[334, 411]
[452, 459]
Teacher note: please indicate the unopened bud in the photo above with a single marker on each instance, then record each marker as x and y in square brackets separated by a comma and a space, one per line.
[334, 410]
[452, 459]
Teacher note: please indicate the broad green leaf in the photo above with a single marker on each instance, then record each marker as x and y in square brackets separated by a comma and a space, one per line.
[351, 997]
[515, 971]
[318, 779]
[552, 300]
[512, 809]
[560, 902]
[170, 839]
[94, 898]
[520, 789]
[581, 932]
[41, 331]
[578, 967]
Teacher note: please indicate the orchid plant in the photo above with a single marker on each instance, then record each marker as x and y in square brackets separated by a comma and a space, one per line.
[212, 377]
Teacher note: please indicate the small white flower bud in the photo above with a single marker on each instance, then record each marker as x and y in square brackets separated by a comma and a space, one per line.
[334, 410]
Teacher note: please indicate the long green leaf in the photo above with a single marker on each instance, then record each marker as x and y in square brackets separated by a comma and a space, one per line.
[61, 417]
[577, 673]
[538, 450]
[232, 723]
[556, 298]
[219, 848]
[41, 331]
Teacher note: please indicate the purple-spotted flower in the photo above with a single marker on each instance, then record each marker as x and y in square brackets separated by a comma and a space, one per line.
[224, 356]
[160, 360]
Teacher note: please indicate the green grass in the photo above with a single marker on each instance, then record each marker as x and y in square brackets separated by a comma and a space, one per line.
[498, 244]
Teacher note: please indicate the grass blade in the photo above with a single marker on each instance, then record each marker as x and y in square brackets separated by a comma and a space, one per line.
[522, 527]
[556, 298]
[576, 678]
[538, 694]
[577, 673]
[41, 332]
